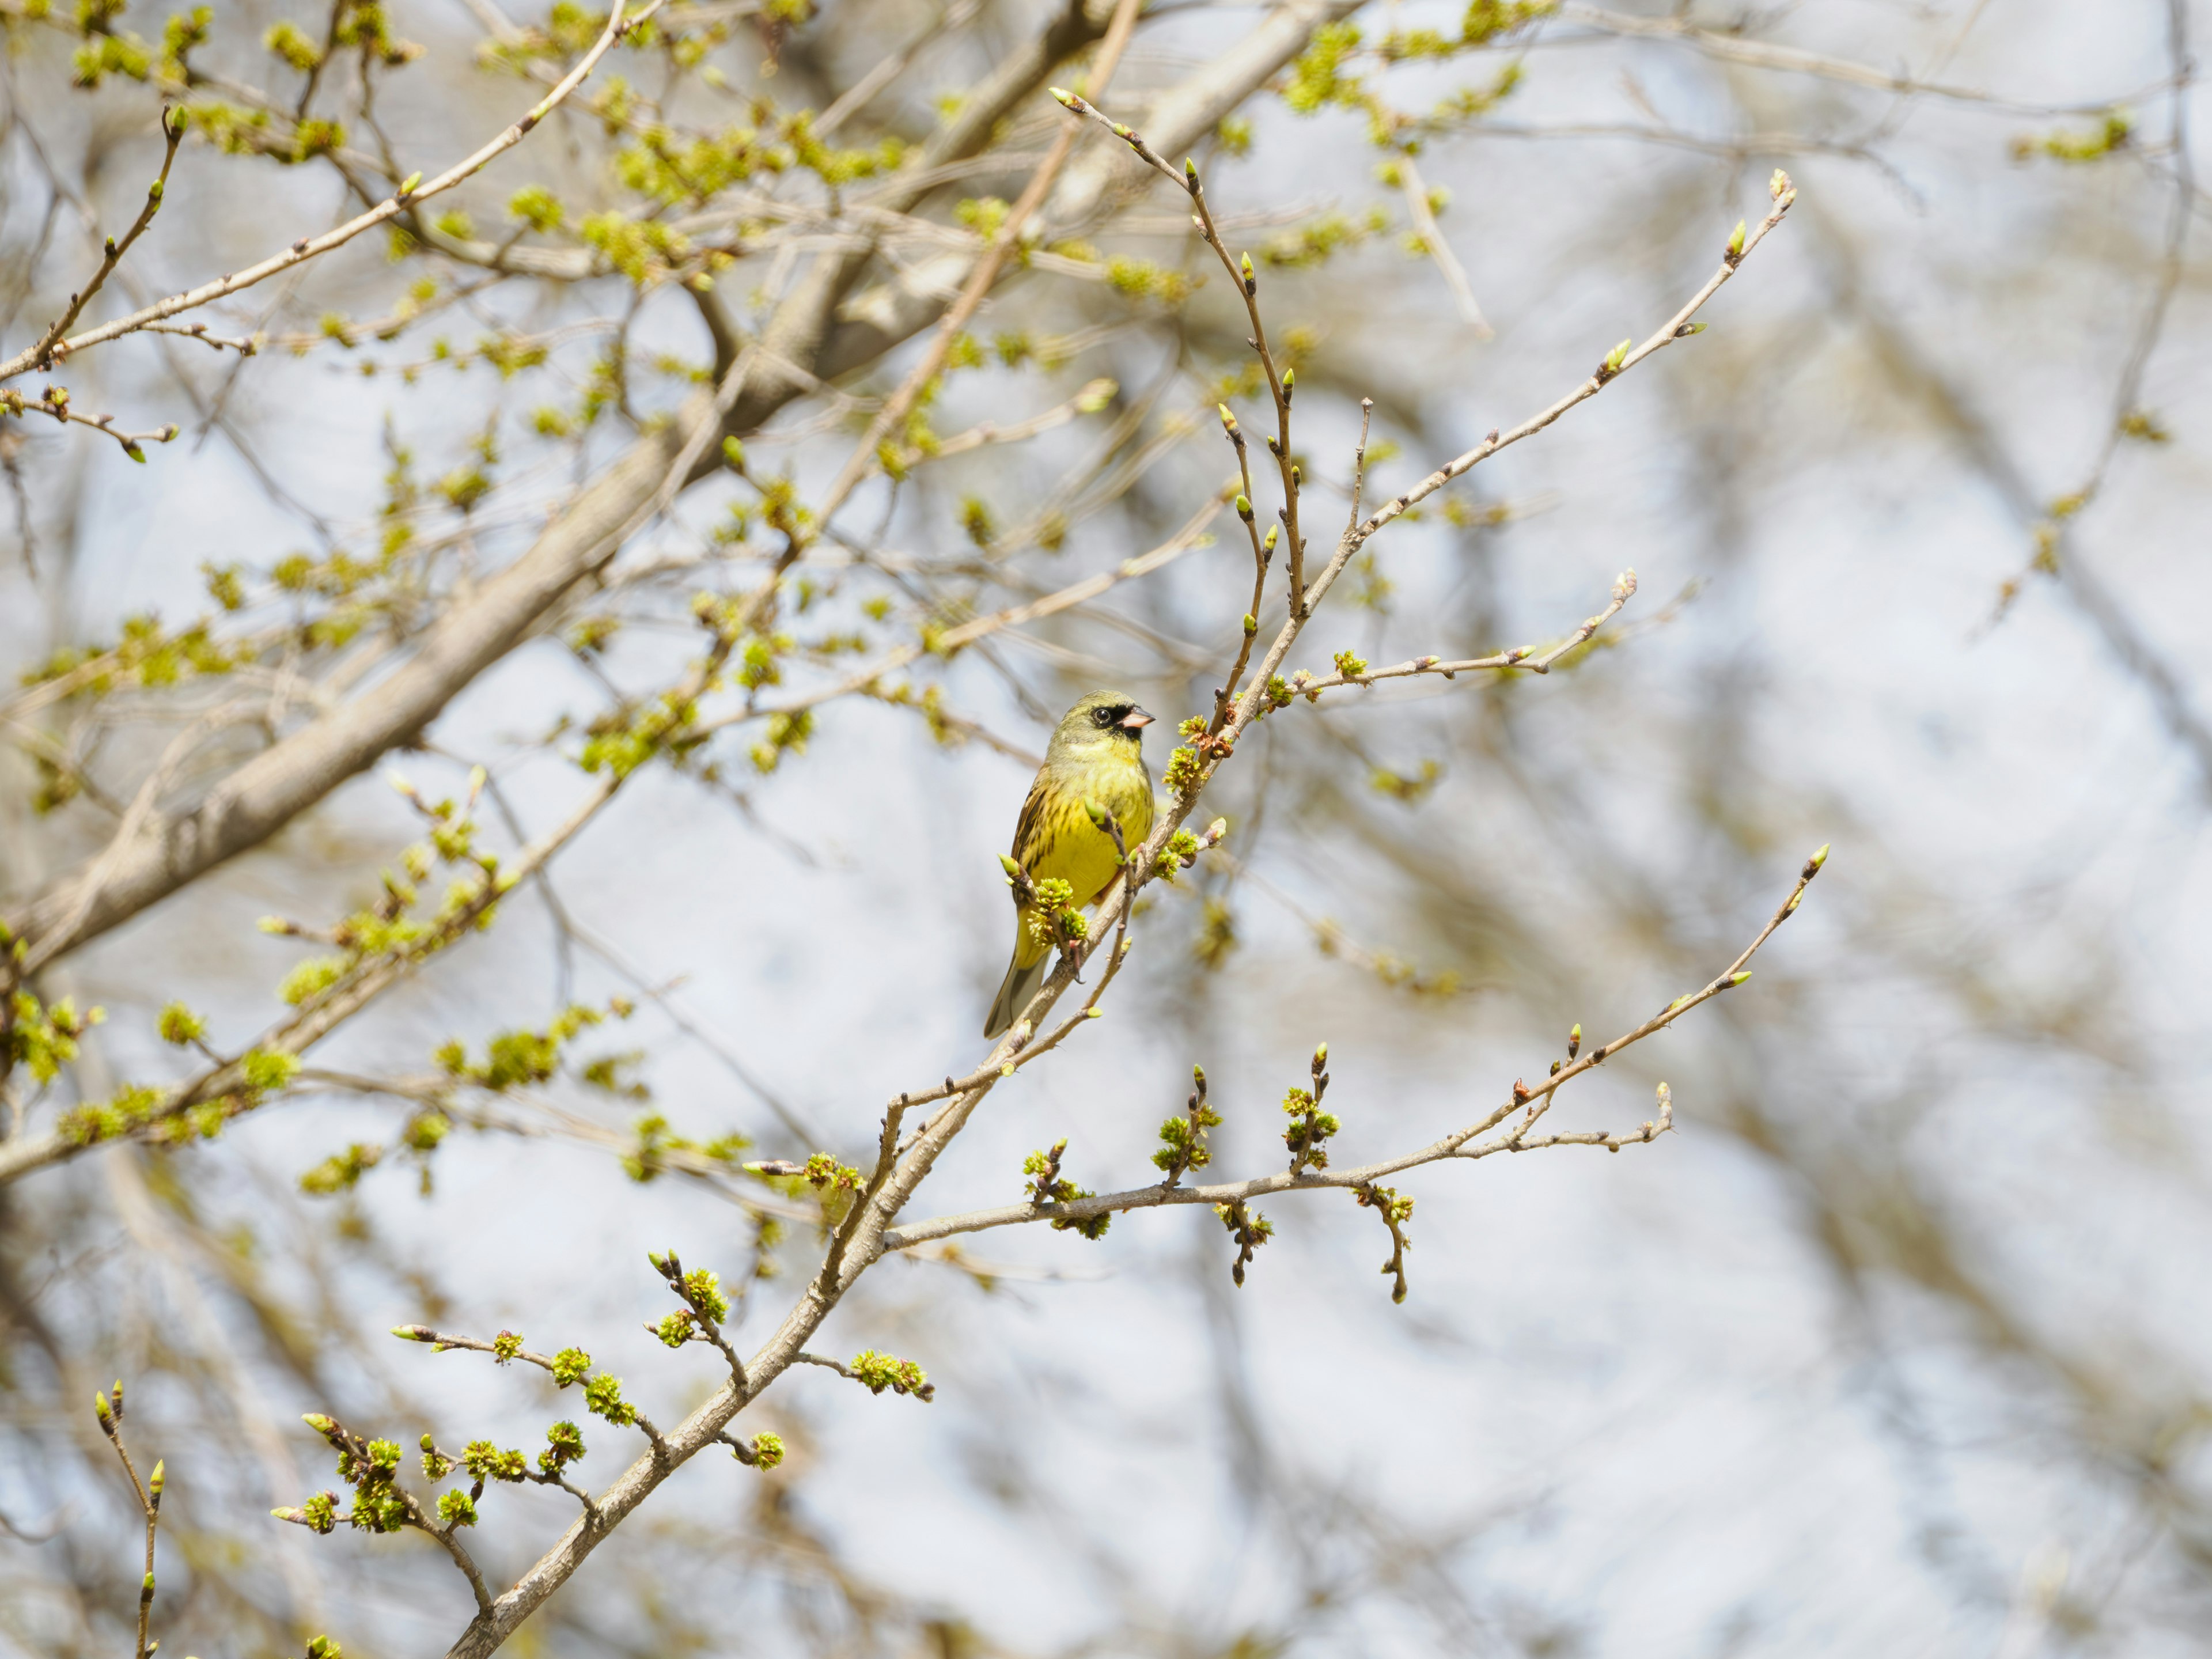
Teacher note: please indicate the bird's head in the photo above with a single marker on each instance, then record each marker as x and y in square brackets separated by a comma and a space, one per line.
[1104, 723]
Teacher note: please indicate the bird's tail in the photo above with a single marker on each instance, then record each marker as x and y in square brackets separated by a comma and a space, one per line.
[1014, 992]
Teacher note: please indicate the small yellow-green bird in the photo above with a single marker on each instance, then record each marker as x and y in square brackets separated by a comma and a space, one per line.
[1096, 758]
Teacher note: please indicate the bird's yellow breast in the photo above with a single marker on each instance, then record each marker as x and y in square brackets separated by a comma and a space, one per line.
[1057, 840]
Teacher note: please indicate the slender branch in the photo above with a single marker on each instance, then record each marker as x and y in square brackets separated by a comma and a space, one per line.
[1462, 1143]
[1679, 326]
[1521, 656]
[48, 348]
[1281, 384]
[1423, 215]
[1263, 553]
[54, 403]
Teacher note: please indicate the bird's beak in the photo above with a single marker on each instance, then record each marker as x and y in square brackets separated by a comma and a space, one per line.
[1136, 719]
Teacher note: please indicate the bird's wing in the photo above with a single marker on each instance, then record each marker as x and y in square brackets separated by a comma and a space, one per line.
[1030, 824]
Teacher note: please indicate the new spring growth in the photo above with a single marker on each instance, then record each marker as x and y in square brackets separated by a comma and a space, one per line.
[1182, 1139]
[1267, 546]
[1251, 283]
[1056, 921]
[1812, 869]
[1395, 1212]
[1781, 189]
[1736, 245]
[1048, 1187]
[1310, 1127]
[1229, 423]
[408, 189]
[1249, 1231]
[1575, 1040]
[1613, 360]
[878, 1371]
[1290, 384]
[1244, 507]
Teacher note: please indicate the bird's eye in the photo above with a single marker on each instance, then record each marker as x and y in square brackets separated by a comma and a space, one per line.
[1102, 717]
